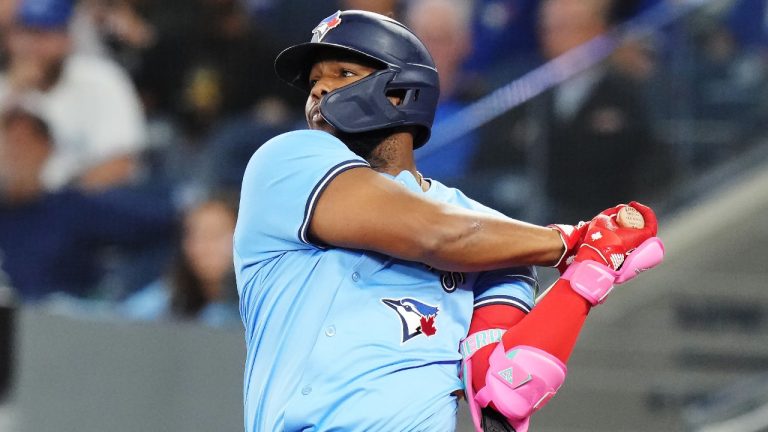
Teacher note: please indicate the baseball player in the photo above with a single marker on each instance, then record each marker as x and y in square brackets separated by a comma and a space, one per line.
[357, 276]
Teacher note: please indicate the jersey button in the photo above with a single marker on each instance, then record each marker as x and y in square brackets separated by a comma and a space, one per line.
[330, 331]
[306, 390]
[355, 276]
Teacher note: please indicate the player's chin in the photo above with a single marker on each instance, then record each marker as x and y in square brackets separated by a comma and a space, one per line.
[322, 125]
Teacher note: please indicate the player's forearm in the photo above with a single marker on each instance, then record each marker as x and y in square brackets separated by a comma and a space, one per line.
[360, 209]
[470, 241]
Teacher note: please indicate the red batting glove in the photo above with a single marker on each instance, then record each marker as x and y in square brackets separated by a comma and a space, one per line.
[608, 243]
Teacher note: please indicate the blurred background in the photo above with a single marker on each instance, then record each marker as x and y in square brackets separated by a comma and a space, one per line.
[126, 125]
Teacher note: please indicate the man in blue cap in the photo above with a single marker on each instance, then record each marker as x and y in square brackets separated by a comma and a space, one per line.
[95, 116]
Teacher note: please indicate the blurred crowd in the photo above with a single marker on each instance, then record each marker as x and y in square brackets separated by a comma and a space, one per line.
[126, 125]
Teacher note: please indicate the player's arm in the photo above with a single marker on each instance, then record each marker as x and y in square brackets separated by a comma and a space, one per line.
[538, 344]
[362, 209]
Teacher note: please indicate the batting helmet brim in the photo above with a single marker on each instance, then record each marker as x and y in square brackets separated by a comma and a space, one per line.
[294, 63]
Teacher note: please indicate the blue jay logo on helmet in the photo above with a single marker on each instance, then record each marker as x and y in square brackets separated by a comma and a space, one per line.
[416, 317]
[327, 25]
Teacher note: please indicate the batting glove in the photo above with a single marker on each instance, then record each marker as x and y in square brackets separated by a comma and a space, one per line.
[606, 242]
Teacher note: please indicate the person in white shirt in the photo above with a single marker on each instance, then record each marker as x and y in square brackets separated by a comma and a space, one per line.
[96, 118]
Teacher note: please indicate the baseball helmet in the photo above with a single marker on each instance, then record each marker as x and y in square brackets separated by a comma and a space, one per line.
[406, 69]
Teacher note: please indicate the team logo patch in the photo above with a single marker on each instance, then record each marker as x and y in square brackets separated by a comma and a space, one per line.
[416, 317]
[327, 25]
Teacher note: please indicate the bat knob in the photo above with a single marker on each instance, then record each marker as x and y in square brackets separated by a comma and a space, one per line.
[629, 217]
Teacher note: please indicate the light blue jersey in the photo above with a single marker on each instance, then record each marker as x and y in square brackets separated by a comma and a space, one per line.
[340, 339]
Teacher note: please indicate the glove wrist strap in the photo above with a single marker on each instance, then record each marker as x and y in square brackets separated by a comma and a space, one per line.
[591, 280]
[560, 231]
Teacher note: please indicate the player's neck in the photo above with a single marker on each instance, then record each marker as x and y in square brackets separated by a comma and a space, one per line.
[394, 155]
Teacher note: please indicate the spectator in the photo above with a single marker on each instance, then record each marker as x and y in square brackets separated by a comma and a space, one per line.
[204, 59]
[598, 132]
[502, 29]
[206, 66]
[226, 74]
[200, 284]
[53, 241]
[112, 28]
[589, 133]
[95, 117]
[728, 104]
[444, 27]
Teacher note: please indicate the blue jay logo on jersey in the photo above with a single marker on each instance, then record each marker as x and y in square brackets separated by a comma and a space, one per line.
[416, 317]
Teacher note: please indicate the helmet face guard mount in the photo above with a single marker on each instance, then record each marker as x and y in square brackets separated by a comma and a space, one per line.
[407, 71]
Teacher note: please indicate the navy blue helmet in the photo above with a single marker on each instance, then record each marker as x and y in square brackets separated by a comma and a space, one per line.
[406, 70]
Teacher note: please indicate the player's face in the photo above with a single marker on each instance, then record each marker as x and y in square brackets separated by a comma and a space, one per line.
[326, 76]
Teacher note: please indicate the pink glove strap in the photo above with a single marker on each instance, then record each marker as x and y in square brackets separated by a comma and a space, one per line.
[591, 280]
[594, 281]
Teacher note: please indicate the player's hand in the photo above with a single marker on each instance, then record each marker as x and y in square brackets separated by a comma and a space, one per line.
[608, 243]
[572, 236]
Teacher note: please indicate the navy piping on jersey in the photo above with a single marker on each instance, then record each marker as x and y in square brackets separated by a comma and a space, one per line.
[319, 188]
[503, 300]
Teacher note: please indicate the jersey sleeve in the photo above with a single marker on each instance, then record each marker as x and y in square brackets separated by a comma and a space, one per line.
[514, 287]
[281, 186]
